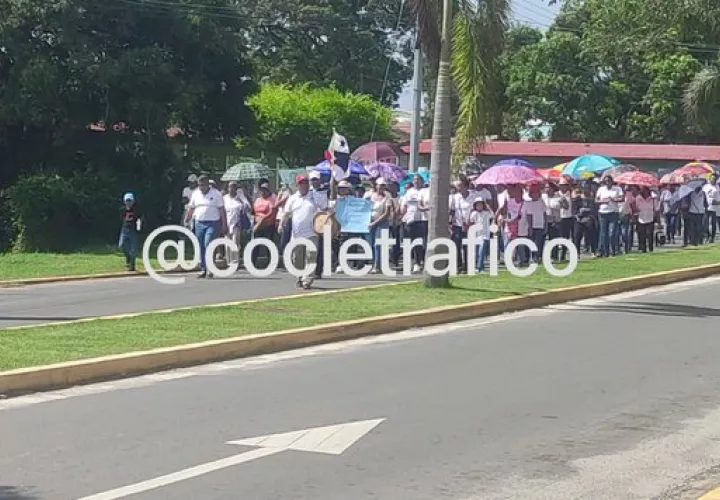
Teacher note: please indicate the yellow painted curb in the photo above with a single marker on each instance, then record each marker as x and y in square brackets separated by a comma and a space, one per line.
[111, 367]
[711, 495]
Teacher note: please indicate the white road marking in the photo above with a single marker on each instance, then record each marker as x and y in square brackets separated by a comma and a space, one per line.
[310, 440]
[264, 360]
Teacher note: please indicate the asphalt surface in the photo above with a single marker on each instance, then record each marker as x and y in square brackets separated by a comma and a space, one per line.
[605, 399]
[82, 299]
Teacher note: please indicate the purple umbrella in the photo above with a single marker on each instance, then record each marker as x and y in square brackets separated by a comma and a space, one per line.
[514, 162]
[388, 171]
[508, 175]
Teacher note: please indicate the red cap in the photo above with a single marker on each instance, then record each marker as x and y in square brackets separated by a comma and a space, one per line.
[301, 178]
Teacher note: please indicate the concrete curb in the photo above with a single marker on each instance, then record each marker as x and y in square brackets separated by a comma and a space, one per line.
[112, 367]
[78, 277]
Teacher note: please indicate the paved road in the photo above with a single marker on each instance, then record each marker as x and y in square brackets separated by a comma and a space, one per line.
[81, 299]
[603, 399]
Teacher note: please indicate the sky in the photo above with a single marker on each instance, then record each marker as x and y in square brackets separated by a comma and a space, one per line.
[533, 12]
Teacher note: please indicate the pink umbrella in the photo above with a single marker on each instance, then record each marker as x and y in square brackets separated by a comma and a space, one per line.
[377, 152]
[508, 175]
[637, 178]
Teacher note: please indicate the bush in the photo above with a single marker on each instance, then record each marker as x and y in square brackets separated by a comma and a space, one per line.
[7, 230]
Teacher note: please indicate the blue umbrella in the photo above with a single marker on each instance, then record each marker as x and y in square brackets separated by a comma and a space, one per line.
[514, 162]
[404, 185]
[588, 165]
[356, 168]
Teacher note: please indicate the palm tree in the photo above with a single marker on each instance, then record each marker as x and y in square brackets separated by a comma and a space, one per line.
[467, 46]
[702, 99]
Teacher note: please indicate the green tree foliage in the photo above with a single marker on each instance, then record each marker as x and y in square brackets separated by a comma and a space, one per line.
[65, 65]
[614, 70]
[296, 122]
[702, 101]
[362, 46]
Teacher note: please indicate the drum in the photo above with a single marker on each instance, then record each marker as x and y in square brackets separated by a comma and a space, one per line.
[323, 219]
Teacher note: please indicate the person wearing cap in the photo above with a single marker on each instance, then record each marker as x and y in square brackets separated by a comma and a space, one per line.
[207, 210]
[300, 210]
[265, 210]
[321, 200]
[130, 231]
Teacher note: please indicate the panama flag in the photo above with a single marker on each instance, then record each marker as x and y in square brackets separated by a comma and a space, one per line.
[338, 154]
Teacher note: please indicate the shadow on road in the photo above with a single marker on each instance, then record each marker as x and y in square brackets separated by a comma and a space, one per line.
[655, 309]
[13, 493]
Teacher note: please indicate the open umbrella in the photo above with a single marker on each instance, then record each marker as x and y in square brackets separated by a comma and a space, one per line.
[696, 169]
[508, 175]
[355, 168]
[376, 151]
[246, 172]
[514, 162]
[685, 190]
[673, 178]
[388, 171]
[404, 185]
[620, 169]
[589, 165]
[637, 178]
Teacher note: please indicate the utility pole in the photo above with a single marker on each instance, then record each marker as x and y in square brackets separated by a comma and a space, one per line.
[417, 102]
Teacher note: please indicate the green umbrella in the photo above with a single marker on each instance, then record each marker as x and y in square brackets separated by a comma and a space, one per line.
[247, 172]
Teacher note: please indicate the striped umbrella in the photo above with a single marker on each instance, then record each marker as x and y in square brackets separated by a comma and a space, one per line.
[247, 172]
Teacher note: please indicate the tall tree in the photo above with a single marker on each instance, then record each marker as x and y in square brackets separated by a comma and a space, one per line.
[360, 46]
[468, 46]
[702, 101]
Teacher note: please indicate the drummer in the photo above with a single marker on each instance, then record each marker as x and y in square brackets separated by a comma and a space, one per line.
[320, 198]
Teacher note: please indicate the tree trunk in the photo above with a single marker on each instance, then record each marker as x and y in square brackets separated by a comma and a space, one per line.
[441, 149]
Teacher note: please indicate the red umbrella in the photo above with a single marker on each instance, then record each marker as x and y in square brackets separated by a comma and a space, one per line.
[673, 178]
[377, 152]
[637, 178]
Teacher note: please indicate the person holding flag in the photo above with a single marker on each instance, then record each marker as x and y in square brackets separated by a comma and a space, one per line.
[338, 154]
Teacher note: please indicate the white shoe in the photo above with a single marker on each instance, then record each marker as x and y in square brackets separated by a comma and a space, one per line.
[416, 269]
[339, 270]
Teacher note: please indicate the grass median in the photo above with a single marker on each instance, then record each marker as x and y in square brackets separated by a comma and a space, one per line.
[21, 266]
[52, 344]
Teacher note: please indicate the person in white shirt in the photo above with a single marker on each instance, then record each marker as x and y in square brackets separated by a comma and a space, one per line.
[321, 199]
[535, 211]
[647, 208]
[461, 204]
[300, 210]
[512, 216]
[697, 206]
[481, 217]
[414, 205]
[186, 195]
[608, 197]
[670, 211]
[552, 200]
[235, 210]
[207, 210]
[567, 219]
[712, 194]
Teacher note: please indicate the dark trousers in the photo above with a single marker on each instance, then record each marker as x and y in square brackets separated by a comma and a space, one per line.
[608, 233]
[267, 232]
[585, 231]
[695, 228]
[671, 227]
[538, 236]
[711, 226]
[553, 231]
[458, 235]
[418, 230]
[646, 236]
[567, 230]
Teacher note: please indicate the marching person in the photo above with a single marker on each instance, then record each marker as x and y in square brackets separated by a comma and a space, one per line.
[207, 210]
[236, 212]
[300, 210]
[461, 205]
[265, 211]
[130, 231]
[414, 205]
[320, 197]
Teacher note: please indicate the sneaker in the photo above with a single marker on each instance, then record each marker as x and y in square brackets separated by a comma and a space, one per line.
[339, 270]
[416, 269]
[203, 274]
[299, 283]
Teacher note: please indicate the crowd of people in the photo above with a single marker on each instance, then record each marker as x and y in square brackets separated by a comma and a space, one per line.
[601, 218]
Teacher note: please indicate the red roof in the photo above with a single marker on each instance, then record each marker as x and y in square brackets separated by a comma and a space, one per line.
[570, 150]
